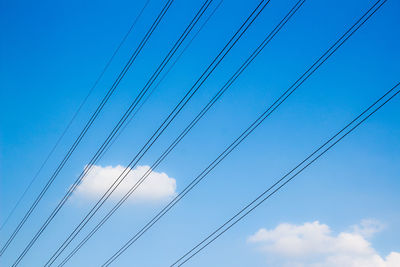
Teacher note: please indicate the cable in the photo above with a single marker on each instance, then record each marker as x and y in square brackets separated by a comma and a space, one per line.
[177, 109]
[166, 73]
[158, 83]
[75, 115]
[126, 115]
[189, 127]
[90, 122]
[77, 141]
[99, 153]
[153, 78]
[249, 130]
[260, 198]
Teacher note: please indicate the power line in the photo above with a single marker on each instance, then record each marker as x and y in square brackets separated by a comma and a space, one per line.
[98, 154]
[189, 127]
[75, 115]
[90, 122]
[146, 97]
[166, 73]
[251, 128]
[177, 109]
[153, 78]
[263, 196]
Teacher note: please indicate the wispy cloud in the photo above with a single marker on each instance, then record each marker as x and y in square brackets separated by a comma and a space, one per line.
[368, 227]
[313, 244]
[157, 187]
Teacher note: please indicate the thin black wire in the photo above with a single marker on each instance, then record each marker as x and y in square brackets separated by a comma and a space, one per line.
[177, 109]
[77, 141]
[94, 116]
[99, 153]
[126, 115]
[286, 175]
[161, 79]
[165, 74]
[244, 135]
[159, 82]
[200, 81]
[75, 114]
[189, 127]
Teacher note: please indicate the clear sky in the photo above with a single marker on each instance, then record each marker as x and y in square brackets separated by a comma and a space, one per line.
[53, 51]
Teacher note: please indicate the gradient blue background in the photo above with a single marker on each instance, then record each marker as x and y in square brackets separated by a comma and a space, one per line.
[52, 52]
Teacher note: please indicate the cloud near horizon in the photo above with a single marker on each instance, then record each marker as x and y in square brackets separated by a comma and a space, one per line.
[157, 187]
[314, 245]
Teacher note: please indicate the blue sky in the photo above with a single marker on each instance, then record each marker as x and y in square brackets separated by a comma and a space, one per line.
[52, 52]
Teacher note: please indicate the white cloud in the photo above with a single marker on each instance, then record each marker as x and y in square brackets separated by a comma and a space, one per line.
[313, 244]
[157, 187]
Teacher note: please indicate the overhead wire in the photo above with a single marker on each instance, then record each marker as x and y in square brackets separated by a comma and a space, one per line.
[89, 123]
[252, 127]
[247, 62]
[98, 154]
[263, 196]
[152, 90]
[177, 109]
[75, 115]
